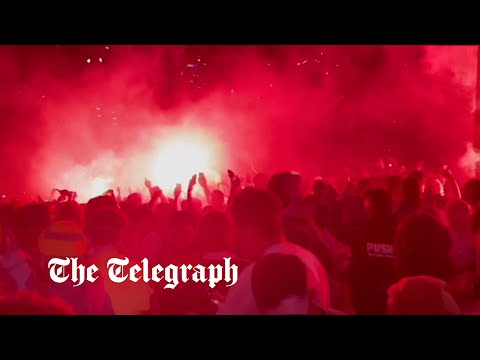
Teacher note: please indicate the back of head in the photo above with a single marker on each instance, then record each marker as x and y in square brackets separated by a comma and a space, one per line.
[286, 186]
[458, 214]
[420, 295]
[29, 222]
[256, 212]
[352, 210]
[412, 190]
[182, 227]
[99, 202]
[471, 191]
[69, 210]
[193, 205]
[422, 247]
[104, 225]
[29, 303]
[378, 203]
[214, 232]
[217, 199]
[134, 200]
[279, 285]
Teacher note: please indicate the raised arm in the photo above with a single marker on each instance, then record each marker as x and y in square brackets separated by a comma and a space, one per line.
[202, 181]
[452, 190]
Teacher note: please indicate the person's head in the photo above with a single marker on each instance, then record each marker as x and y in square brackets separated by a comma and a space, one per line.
[193, 205]
[412, 190]
[471, 191]
[97, 203]
[287, 187]
[134, 200]
[182, 228]
[378, 203]
[105, 226]
[29, 222]
[458, 215]
[214, 232]
[422, 247]
[319, 187]
[30, 303]
[352, 210]
[256, 216]
[69, 210]
[217, 200]
[394, 187]
[279, 285]
[420, 295]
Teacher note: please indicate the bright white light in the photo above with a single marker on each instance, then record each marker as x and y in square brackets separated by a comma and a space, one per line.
[98, 186]
[180, 157]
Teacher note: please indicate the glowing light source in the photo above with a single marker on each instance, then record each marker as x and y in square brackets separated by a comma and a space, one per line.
[98, 186]
[181, 156]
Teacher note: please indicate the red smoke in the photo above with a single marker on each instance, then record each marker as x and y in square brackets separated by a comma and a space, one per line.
[73, 115]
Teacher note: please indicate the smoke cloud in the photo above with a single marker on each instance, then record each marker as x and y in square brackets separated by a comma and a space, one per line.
[96, 117]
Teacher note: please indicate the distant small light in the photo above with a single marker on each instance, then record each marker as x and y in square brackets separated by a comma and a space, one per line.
[89, 61]
[298, 64]
[100, 59]
[199, 60]
[114, 118]
[321, 53]
[98, 109]
[304, 62]
[106, 47]
[43, 96]
[268, 64]
[271, 85]
[3, 196]
[232, 91]
[336, 65]
[326, 73]
[99, 115]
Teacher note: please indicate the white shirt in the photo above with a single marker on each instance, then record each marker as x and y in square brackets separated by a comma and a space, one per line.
[240, 299]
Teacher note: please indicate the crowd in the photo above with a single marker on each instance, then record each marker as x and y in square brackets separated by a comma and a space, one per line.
[405, 243]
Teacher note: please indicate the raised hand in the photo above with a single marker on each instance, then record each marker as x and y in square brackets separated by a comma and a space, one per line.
[235, 183]
[192, 182]
[156, 192]
[202, 180]
[109, 193]
[148, 183]
[177, 191]
[446, 172]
